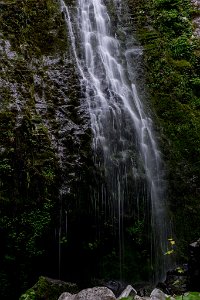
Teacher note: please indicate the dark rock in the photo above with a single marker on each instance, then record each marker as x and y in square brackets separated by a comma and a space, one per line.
[194, 266]
[116, 286]
[176, 281]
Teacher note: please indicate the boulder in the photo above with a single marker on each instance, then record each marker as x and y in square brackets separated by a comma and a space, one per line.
[176, 281]
[129, 291]
[141, 298]
[95, 293]
[66, 296]
[49, 289]
[158, 295]
[116, 286]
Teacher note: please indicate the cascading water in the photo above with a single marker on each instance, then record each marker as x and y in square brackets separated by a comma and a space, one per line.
[124, 145]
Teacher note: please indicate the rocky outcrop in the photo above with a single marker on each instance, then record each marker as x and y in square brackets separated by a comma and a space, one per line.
[176, 281]
[48, 289]
[103, 293]
[98, 293]
[196, 20]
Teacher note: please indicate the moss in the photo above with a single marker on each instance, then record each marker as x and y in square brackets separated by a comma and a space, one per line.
[48, 289]
[172, 66]
[34, 27]
[182, 64]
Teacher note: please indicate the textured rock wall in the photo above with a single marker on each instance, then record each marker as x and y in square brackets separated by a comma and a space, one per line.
[44, 140]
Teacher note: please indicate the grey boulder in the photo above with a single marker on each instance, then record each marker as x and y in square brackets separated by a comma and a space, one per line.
[129, 291]
[96, 293]
[159, 295]
[66, 296]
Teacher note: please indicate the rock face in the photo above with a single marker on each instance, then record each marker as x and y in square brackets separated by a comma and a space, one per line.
[196, 21]
[44, 142]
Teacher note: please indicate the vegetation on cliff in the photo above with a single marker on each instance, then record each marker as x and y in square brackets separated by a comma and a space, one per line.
[46, 169]
[171, 62]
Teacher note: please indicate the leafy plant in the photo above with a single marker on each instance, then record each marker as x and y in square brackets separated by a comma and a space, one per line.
[172, 245]
[181, 48]
[189, 296]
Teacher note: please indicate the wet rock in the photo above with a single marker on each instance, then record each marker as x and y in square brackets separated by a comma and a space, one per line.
[176, 281]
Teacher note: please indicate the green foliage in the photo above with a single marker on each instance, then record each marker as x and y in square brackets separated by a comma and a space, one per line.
[36, 26]
[189, 296]
[171, 247]
[170, 17]
[180, 270]
[137, 231]
[172, 61]
[94, 245]
[29, 295]
[195, 81]
[181, 48]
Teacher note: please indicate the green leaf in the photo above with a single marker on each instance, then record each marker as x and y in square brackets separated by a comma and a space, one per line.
[169, 252]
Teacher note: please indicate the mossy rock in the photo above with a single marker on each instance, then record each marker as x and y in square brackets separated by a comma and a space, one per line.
[49, 289]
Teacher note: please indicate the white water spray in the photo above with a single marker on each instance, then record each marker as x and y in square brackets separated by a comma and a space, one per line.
[123, 138]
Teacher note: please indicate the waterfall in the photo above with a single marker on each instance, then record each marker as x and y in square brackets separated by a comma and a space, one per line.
[124, 142]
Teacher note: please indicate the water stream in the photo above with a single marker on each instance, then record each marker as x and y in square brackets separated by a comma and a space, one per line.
[124, 142]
